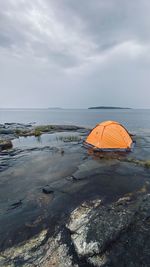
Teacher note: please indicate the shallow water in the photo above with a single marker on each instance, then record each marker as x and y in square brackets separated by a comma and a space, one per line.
[53, 139]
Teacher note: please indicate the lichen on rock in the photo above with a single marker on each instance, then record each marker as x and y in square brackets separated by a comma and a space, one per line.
[94, 230]
[22, 252]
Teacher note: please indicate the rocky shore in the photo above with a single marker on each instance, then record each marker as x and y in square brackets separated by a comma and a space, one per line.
[63, 206]
[9, 131]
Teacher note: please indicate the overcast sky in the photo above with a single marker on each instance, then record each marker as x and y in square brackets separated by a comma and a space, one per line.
[72, 53]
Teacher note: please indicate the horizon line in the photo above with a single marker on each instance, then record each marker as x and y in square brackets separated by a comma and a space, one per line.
[63, 108]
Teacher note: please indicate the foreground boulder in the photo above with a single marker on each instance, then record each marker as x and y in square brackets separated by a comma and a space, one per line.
[111, 235]
[39, 251]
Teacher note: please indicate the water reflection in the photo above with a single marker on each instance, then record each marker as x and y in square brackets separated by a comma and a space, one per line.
[53, 139]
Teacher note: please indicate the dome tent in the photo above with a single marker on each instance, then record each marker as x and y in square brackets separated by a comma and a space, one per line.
[109, 135]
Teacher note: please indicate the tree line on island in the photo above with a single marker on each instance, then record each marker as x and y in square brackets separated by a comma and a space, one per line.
[108, 107]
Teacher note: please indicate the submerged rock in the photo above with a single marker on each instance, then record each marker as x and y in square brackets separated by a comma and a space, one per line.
[15, 205]
[47, 190]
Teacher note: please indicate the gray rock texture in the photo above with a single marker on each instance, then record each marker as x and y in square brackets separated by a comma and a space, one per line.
[65, 206]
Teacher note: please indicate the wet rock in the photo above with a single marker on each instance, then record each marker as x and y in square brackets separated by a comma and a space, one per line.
[99, 232]
[5, 144]
[62, 151]
[74, 178]
[13, 130]
[107, 235]
[81, 214]
[67, 127]
[94, 227]
[98, 260]
[16, 205]
[6, 131]
[23, 254]
[95, 234]
[17, 125]
[132, 246]
[47, 190]
[57, 128]
[57, 254]
[39, 252]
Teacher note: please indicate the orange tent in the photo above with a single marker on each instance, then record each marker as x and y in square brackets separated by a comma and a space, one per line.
[109, 135]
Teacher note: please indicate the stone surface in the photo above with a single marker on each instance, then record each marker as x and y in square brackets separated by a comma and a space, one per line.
[122, 228]
[5, 144]
[47, 190]
[36, 252]
[57, 254]
[18, 255]
[92, 230]
[99, 214]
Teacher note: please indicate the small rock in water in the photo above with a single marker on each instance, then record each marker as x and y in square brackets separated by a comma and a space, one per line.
[15, 205]
[72, 178]
[62, 151]
[5, 144]
[47, 190]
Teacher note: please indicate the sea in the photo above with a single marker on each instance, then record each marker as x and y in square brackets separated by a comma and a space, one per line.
[136, 120]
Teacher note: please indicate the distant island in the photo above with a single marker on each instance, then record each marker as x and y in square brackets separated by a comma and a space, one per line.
[107, 107]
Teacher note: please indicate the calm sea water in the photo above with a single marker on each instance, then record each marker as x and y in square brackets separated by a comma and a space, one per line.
[134, 119]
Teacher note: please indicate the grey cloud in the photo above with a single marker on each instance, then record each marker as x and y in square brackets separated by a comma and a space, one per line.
[64, 28]
[111, 21]
[96, 48]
